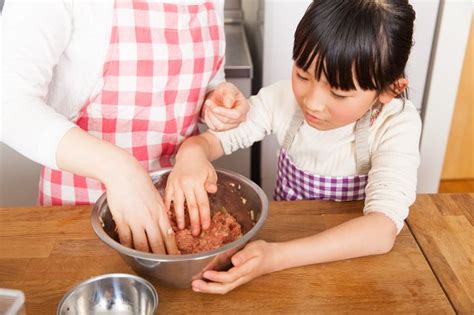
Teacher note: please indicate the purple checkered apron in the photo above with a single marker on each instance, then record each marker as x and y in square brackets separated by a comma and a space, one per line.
[294, 183]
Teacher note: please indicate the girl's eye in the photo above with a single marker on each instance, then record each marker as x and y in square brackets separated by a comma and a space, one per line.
[301, 77]
[338, 96]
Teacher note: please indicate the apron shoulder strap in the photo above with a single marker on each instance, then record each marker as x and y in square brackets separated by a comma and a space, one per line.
[362, 144]
[296, 121]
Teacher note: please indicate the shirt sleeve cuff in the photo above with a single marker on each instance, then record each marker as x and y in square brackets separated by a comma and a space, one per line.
[399, 223]
[51, 138]
[226, 145]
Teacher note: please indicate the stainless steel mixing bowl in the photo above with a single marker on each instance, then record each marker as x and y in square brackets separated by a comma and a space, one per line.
[237, 194]
[114, 294]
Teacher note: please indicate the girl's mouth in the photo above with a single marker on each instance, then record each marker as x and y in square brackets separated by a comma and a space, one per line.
[312, 118]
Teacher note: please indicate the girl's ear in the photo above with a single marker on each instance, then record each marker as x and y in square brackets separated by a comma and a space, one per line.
[396, 88]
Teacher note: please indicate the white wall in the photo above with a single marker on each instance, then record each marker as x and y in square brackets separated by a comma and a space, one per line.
[280, 20]
[447, 61]
[19, 178]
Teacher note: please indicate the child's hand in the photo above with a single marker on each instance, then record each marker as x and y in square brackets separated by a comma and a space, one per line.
[192, 177]
[225, 107]
[256, 259]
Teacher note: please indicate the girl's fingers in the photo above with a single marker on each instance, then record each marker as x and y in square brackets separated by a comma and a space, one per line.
[193, 211]
[140, 241]
[204, 209]
[125, 235]
[178, 202]
[210, 287]
[211, 183]
[231, 275]
[215, 287]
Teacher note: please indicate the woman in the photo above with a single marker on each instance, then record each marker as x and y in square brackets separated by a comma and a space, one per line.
[103, 92]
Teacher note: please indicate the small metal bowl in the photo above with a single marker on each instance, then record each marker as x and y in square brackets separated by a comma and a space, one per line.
[115, 293]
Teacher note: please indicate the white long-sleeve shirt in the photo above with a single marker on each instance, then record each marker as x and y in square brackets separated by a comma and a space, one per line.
[393, 146]
[52, 56]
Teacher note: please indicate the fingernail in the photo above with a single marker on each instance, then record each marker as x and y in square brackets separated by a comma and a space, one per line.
[228, 101]
[196, 289]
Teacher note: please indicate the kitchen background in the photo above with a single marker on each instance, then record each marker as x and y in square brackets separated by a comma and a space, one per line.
[259, 36]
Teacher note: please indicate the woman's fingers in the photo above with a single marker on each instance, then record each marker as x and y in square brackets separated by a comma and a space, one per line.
[221, 118]
[226, 114]
[154, 238]
[140, 241]
[125, 235]
[208, 122]
[168, 198]
[218, 125]
[168, 237]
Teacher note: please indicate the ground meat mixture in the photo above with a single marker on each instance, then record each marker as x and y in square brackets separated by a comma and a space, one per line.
[224, 229]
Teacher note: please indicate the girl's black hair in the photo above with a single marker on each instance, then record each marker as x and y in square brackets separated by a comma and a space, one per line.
[371, 37]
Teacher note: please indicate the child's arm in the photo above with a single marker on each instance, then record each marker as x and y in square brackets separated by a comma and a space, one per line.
[192, 177]
[371, 234]
[192, 169]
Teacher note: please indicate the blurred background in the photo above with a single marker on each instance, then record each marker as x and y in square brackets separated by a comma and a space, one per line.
[259, 36]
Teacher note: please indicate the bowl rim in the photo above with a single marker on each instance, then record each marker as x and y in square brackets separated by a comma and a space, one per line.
[145, 282]
[97, 227]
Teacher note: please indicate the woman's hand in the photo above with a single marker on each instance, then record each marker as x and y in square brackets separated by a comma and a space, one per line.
[256, 259]
[192, 177]
[138, 210]
[134, 202]
[225, 107]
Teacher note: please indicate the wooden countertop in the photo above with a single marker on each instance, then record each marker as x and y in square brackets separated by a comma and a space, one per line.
[46, 251]
[443, 225]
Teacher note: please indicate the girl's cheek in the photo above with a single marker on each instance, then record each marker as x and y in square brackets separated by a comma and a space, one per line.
[342, 116]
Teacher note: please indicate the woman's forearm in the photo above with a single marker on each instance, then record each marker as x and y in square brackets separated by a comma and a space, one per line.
[371, 234]
[82, 154]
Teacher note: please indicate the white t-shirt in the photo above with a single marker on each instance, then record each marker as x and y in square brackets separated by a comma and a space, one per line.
[393, 146]
[52, 56]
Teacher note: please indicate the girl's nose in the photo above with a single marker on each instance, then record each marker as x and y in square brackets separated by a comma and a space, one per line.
[314, 101]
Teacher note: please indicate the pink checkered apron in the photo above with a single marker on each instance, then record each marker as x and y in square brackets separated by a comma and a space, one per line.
[294, 183]
[160, 60]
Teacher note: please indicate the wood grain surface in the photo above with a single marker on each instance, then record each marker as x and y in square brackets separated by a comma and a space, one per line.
[443, 224]
[47, 251]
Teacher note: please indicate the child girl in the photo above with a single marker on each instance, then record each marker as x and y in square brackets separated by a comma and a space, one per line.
[346, 133]
[103, 92]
